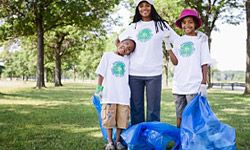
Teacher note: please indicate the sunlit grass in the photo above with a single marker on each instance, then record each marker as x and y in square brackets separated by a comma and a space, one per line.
[64, 117]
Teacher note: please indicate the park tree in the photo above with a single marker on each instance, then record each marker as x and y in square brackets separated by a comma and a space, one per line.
[19, 62]
[247, 89]
[25, 58]
[63, 44]
[91, 55]
[7, 57]
[228, 11]
[35, 17]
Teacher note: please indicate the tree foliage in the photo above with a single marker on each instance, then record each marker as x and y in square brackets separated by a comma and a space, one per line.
[228, 11]
[34, 17]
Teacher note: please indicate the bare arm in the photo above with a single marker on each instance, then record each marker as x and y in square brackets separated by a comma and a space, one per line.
[204, 73]
[99, 80]
[172, 56]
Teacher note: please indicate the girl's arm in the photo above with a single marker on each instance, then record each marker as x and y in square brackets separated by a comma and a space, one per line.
[204, 69]
[172, 56]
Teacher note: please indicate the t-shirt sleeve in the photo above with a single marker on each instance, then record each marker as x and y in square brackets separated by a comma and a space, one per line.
[205, 55]
[172, 34]
[126, 34]
[102, 67]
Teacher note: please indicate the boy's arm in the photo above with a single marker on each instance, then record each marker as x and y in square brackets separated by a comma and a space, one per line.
[99, 88]
[100, 79]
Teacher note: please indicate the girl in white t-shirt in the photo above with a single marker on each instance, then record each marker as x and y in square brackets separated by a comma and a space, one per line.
[148, 30]
[113, 88]
[192, 52]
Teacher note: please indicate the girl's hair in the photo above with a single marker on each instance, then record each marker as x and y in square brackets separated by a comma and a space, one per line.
[159, 22]
[195, 22]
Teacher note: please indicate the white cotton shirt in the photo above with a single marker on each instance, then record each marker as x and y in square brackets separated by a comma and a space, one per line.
[147, 59]
[192, 52]
[114, 68]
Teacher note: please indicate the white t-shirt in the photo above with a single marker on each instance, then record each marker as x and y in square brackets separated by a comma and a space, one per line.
[147, 58]
[192, 52]
[114, 68]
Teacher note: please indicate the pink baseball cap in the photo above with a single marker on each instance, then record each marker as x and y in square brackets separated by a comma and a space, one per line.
[186, 13]
[149, 1]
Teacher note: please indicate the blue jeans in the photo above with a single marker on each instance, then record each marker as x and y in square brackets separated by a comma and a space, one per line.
[153, 96]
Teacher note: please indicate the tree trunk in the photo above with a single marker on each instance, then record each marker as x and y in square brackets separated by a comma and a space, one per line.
[166, 55]
[209, 74]
[74, 72]
[247, 89]
[58, 52]
[40, 53]
[58, 69]
[166, 73]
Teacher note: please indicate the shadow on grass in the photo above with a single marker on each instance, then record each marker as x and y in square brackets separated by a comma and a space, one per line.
[64, 127]
[65, 118]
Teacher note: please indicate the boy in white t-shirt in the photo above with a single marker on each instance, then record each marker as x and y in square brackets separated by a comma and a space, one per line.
[113, 87]
[192, 52]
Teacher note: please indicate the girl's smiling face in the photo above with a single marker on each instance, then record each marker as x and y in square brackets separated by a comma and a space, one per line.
[145, 11]
[188, 26]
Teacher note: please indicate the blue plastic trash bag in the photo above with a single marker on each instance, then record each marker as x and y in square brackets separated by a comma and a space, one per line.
[151, 136]
[201, 130]
[98, 106]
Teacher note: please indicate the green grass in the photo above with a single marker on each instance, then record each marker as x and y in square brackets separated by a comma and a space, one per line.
[64, 117]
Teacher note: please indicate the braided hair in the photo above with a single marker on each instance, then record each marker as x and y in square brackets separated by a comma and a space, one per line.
[159, 22]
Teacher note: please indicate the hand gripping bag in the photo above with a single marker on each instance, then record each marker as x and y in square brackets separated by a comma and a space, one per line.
[201, 130]
[98, 106]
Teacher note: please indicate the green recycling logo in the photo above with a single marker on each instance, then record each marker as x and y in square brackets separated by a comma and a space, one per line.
[144, 35]
[118, 69]
[187, 49]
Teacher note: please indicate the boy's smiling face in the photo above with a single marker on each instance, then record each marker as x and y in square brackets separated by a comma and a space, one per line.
[125, 47]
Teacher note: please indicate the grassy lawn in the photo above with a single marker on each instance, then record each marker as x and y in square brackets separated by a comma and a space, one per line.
[64, 117]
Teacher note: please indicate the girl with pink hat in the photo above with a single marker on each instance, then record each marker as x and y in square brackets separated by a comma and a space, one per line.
[148, 29]
[192, 52]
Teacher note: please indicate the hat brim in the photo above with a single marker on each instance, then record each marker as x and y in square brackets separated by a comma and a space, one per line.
[178, 21]
[150, 2]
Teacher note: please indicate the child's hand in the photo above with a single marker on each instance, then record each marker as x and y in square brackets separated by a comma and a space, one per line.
[98, 91]
[167, 41]
[168, 46]
[203, 90]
